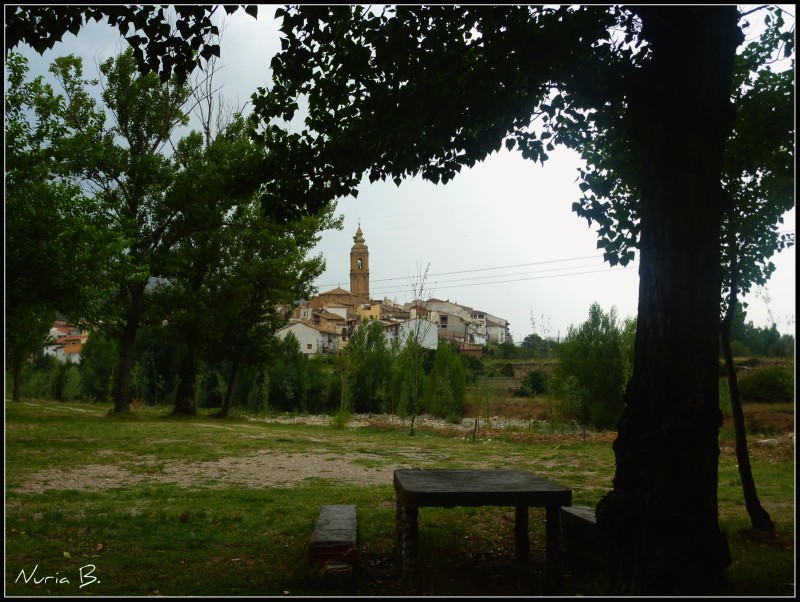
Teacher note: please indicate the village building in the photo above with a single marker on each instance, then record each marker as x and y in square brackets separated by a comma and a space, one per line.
[67, 342]
[325, 322]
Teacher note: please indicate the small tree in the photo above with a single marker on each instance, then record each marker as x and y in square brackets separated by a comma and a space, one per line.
[590, 364]
[445, 387]
[413, 354]
[370, 358]
[408, 380]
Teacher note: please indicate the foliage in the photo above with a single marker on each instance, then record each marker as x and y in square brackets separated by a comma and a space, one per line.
[294, 382]
[231, 272]
[371, 360]
[627, 345]
[54, 236]
[759, 159]
[408, 379]
[445, 385]
[98, 363]
[773, 384]
[119, 159]
[286, 382]
[509, 351]
[160, 42]
[473, 366]
[738, 349]
[535, 383]
[590, 369]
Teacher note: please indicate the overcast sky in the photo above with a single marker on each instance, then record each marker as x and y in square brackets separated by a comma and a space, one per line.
[500, 237]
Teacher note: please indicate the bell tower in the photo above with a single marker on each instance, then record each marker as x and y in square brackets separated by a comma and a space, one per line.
[359, 266]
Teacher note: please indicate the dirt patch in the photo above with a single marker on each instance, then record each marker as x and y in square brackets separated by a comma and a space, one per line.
[763, 418]
[265, 469]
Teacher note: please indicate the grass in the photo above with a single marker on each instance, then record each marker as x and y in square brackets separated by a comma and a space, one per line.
[149, 523]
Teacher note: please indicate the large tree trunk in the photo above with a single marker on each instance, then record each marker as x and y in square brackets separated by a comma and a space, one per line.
[662, 515]
[185, 398]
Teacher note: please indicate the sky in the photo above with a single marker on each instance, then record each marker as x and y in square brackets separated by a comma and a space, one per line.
[500, 237]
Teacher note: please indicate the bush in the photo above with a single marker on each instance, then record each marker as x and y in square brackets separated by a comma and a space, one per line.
[738, 349]
[534, 383]
[774, 384]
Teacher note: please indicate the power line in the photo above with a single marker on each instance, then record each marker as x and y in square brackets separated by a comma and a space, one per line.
[406, 289]
[502, 267]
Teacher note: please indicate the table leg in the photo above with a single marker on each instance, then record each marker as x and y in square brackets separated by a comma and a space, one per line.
[398, 523]
[409, 541]
[521, 540]
[553, 527]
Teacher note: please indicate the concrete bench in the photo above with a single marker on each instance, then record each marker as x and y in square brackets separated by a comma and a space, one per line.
[580, 537]
[334, 542]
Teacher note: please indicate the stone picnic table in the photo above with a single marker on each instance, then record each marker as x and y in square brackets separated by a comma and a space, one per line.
[445, 488]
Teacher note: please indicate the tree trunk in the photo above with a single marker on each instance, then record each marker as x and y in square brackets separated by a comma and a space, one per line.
[134, 296]
[185, 398]
[18, 361]
[661, 517]
[226, 405]
[127, 341]
[758, 516]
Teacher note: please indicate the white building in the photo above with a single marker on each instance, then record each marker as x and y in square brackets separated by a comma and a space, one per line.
[426, 331]
[313, 339]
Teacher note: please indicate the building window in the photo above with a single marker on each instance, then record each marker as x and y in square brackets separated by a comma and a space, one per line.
[359, 263]
[308, 346]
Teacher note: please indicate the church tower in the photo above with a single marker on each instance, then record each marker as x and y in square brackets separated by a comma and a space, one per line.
[359, 266]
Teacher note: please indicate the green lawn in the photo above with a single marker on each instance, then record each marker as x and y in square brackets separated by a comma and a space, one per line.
[146, 505]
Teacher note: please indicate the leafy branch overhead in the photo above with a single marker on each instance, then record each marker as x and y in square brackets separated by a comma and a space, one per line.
[158, 45]
[425, 91]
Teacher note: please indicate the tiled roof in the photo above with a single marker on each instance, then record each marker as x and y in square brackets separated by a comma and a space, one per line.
[337, 291]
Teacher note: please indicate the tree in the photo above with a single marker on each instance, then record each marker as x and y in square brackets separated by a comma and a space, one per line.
[409, 379]
[55, 236]
[590, 364]
[758, 186]
[459, 83]
[124, 168]
[445, 386]
[233, 273]
[286, 375]
[371, 363]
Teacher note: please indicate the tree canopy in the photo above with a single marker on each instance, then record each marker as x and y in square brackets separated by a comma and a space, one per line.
[158, 44]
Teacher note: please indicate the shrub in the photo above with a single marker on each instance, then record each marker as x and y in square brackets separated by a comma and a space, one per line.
[534, 383]
[774, 384]
[738, 349]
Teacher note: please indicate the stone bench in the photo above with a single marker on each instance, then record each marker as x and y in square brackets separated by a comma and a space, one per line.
[580, 537]
[334, 542]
